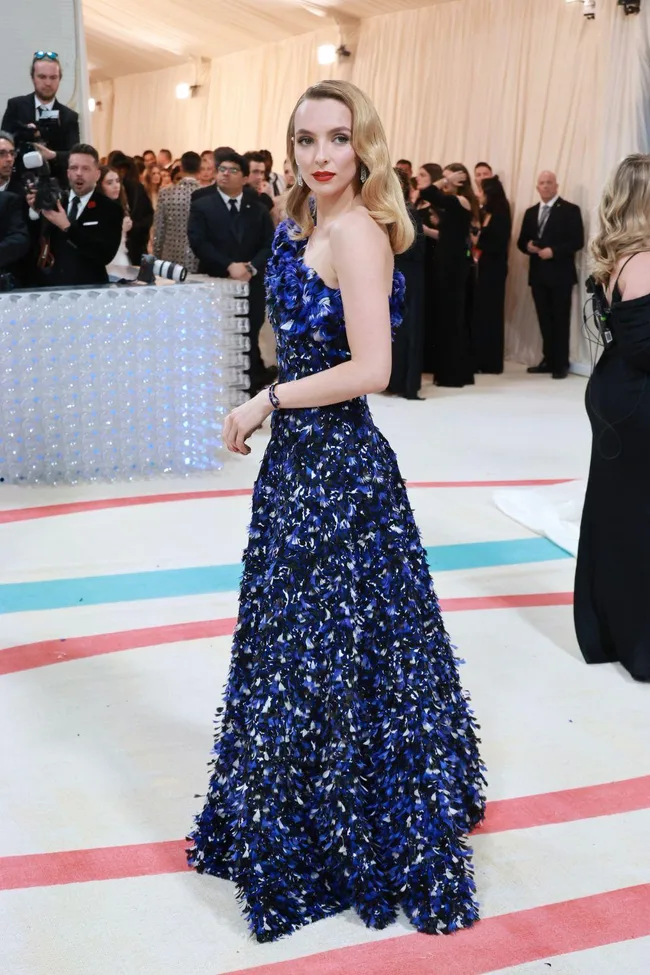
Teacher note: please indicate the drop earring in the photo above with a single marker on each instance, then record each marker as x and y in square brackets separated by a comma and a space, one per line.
[363, 175]
[299, 179]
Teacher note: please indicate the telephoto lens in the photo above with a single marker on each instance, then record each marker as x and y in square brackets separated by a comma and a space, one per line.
[150, 267]
[166, 269]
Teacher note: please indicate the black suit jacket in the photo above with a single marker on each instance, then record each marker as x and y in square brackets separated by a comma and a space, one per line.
[564, 234]
[14, 232]
[218, 241]
[82, 252]
[60, 137]
[250, 194]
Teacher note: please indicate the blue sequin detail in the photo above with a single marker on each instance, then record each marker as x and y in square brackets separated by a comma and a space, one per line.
[345, 770]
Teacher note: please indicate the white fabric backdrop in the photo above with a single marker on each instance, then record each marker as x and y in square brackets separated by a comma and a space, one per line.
[523, 83]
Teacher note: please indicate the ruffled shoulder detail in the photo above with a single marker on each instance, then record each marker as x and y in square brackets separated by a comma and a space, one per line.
[300, 302]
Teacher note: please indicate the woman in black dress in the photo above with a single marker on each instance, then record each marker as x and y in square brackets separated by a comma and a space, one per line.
[427, 175]
[140, 208]
[406, 374]
[492, 246]
[454, 197]
[612, 604]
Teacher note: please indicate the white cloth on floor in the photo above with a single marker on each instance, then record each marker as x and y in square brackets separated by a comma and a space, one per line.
[554, 511]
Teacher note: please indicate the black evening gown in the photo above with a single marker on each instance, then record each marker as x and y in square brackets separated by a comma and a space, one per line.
[406, 374]
[612, 589]
[452, 351]
[489, 305]
[426, 214]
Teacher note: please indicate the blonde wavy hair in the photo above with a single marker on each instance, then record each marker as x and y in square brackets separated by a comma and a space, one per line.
[381, 193]
[623, 217]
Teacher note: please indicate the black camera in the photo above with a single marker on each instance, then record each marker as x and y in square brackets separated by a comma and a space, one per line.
[35, 170]
[38, 179]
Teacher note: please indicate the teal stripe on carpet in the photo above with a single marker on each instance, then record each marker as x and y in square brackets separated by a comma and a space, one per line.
[23, 597]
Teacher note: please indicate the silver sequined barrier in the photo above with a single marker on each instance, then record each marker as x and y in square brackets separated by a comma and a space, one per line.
[119, 383]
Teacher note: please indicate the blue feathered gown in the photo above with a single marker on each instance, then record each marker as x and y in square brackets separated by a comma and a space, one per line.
[345, 771]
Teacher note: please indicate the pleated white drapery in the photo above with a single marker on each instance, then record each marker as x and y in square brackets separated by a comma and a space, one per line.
[527, 85]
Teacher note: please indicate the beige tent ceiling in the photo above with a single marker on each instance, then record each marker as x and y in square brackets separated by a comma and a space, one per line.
[128, 36]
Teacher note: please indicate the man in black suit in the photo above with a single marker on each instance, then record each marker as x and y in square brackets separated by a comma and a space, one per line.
[14, 237]
[84, 233]
[9, 181]
[231, 234]
[11, 185]
[55, 126]
[551, 235]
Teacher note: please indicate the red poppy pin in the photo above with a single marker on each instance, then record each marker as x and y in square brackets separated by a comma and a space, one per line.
[91, 205]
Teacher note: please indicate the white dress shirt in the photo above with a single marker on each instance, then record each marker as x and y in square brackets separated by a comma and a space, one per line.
[227, 199]
[550, 205]
[83, 200]
[40, 104]
[3, 186]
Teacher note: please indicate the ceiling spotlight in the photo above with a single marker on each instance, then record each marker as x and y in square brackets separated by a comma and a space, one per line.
[183, 90]
[327, 54]
[92, 104]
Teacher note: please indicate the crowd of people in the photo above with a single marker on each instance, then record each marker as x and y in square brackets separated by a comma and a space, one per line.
[215, 213]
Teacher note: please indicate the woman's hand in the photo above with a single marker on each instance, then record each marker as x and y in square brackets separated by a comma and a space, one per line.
[454, 178]
[245, 420]
[127, 224]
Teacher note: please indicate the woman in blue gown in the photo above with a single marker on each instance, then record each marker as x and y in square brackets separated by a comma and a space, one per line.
[346, 771]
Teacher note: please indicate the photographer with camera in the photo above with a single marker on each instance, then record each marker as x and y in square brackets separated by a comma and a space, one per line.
[9, 182]
[15, 240]
[39, 121]
[81, 231]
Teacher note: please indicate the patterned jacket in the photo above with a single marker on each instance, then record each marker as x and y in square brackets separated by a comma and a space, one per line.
[170, 241]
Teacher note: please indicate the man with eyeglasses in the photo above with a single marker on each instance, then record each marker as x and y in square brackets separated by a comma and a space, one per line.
[231, 234]
[18, 238]
[8, 180]
[55, 127]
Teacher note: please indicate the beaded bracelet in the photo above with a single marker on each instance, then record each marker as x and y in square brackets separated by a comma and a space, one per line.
[275, 402]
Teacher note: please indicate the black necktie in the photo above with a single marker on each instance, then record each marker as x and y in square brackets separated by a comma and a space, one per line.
[234, 211]
[74, 209]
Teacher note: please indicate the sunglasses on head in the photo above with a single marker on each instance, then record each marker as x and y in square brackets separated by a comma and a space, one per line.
[42, 55]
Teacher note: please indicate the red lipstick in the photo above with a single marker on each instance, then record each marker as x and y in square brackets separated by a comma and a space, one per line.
[324, 177]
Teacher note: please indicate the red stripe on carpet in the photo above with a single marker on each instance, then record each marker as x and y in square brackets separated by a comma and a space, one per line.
[542, 482]
[14, 660]
[103, 504]
[79, 507]
[520, 601]
[85, 866]
[496, 943]
[146, 859]
[549, 808]
[29, 656]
